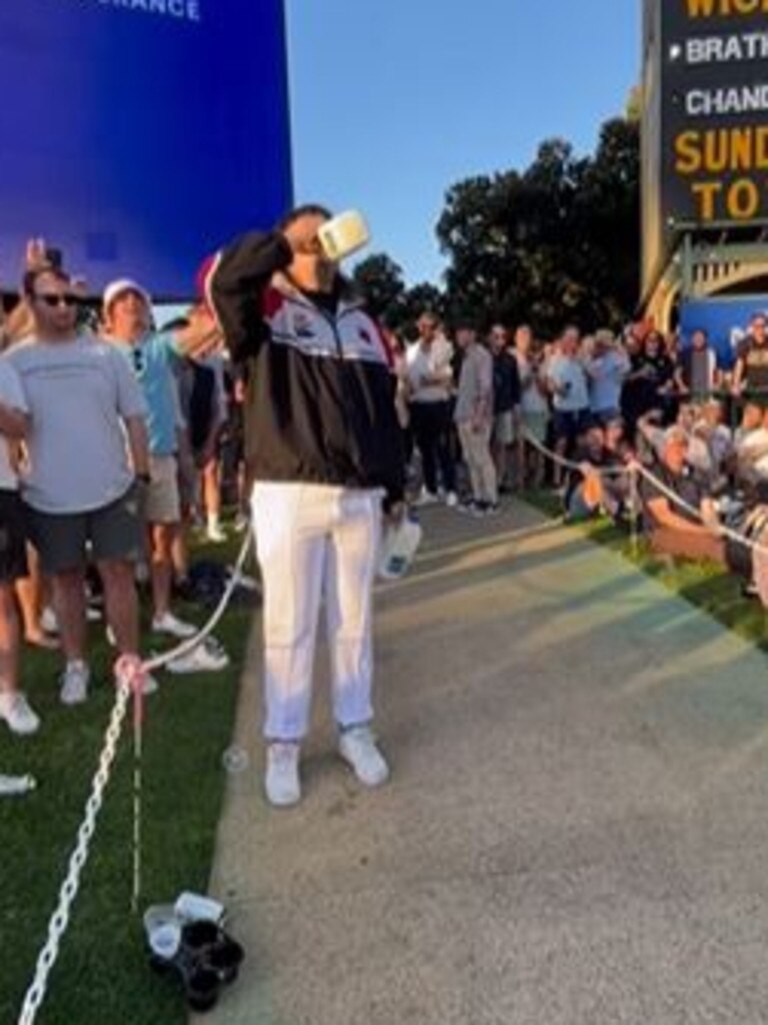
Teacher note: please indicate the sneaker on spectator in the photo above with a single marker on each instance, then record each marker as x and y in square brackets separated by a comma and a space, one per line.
[215, 534]
[16, 711]
[205, 658]
[92, 614]
[74, 683]
[169, 624]
[467, 508]
[358, 749]
[48, 621]
[281, 780]
[426, 497]
[451, 500]
[492, 509]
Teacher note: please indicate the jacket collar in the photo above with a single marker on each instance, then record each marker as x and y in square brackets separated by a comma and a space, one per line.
[348, 300]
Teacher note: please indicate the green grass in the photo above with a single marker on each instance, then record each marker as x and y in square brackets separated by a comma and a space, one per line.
[102, 976]
[705, 584]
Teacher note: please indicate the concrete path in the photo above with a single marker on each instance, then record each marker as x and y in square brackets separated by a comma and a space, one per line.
[576, 832]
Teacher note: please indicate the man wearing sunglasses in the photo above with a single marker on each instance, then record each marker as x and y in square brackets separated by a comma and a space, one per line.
[82, 488]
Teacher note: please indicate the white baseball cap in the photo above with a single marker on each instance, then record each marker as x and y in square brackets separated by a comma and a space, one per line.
[117, 288]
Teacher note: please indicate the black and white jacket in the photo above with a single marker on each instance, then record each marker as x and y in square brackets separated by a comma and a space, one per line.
[321, 384]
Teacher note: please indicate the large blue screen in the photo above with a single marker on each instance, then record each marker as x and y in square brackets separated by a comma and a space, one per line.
[137, 135]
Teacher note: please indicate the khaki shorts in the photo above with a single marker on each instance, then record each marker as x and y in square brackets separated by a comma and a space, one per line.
[163, 503]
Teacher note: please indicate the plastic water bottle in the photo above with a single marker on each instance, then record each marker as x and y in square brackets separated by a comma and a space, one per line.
[399, 547]
[235, 760]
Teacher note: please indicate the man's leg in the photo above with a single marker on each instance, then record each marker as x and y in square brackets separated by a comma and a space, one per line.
[9, 641]
[466, 437]
[291, 522]
[121, 603]
[14, 708]
[291, 539]
[163, 514]
[442, 429]
[423, 433]
[211, 494]
[489, 486]
[352, 560]
[69, 604]
[29, 594]
[161, 541]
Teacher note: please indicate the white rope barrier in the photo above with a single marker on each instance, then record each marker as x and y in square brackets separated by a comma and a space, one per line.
[636, 468]
[569, 464]
[130, 681]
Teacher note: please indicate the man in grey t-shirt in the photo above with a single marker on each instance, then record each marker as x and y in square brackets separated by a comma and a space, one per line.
[87, 412]
[474, 419]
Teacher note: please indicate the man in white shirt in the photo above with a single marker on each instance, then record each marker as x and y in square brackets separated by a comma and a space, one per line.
[430, 384]
[82, 489]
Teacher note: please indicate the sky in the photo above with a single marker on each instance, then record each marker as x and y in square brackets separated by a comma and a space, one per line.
[393, 101]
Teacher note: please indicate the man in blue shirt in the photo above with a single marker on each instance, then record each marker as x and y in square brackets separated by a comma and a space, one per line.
[127, 317]
[606, 370]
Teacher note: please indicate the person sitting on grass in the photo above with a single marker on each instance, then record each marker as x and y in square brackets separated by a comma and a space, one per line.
[688, 530]
[585, 494]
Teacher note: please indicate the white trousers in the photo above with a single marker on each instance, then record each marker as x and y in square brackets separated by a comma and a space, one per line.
[316, 542]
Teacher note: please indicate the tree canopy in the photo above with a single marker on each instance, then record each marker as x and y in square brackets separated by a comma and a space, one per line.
[555, 243]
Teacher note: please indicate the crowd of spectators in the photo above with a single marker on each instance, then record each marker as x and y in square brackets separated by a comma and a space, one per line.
[113, 438]
[118, 438]
[494, 404]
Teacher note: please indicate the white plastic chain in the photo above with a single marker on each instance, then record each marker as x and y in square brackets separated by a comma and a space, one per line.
[636, 468]
[60, 919]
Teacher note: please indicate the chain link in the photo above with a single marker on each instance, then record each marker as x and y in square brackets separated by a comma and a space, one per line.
[60, 919]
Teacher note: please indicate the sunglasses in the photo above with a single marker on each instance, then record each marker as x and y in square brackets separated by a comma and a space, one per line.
[67, 299]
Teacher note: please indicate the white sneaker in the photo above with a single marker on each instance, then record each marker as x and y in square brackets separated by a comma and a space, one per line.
[451, 500]
[215, 534]
[15, 709]
[207, 657]
[74, 683]
[241, 523]
[169, 624]
[281, 780]
[358, 748]
[48, 621]
[426, 498]
[92, 614]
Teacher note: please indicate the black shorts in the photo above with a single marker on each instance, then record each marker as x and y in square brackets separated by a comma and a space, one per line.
[569, 425]
[13, 538]
[115, 532]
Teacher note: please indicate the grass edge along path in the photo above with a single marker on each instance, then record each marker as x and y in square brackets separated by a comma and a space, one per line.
[706, 585]
[102, 974]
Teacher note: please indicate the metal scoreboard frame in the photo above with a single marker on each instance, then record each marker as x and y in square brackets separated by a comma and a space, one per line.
[138, 135]
[705, 132]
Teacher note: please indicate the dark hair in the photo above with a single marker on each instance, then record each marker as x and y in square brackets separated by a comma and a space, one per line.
[306, 210]
[30, 279]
